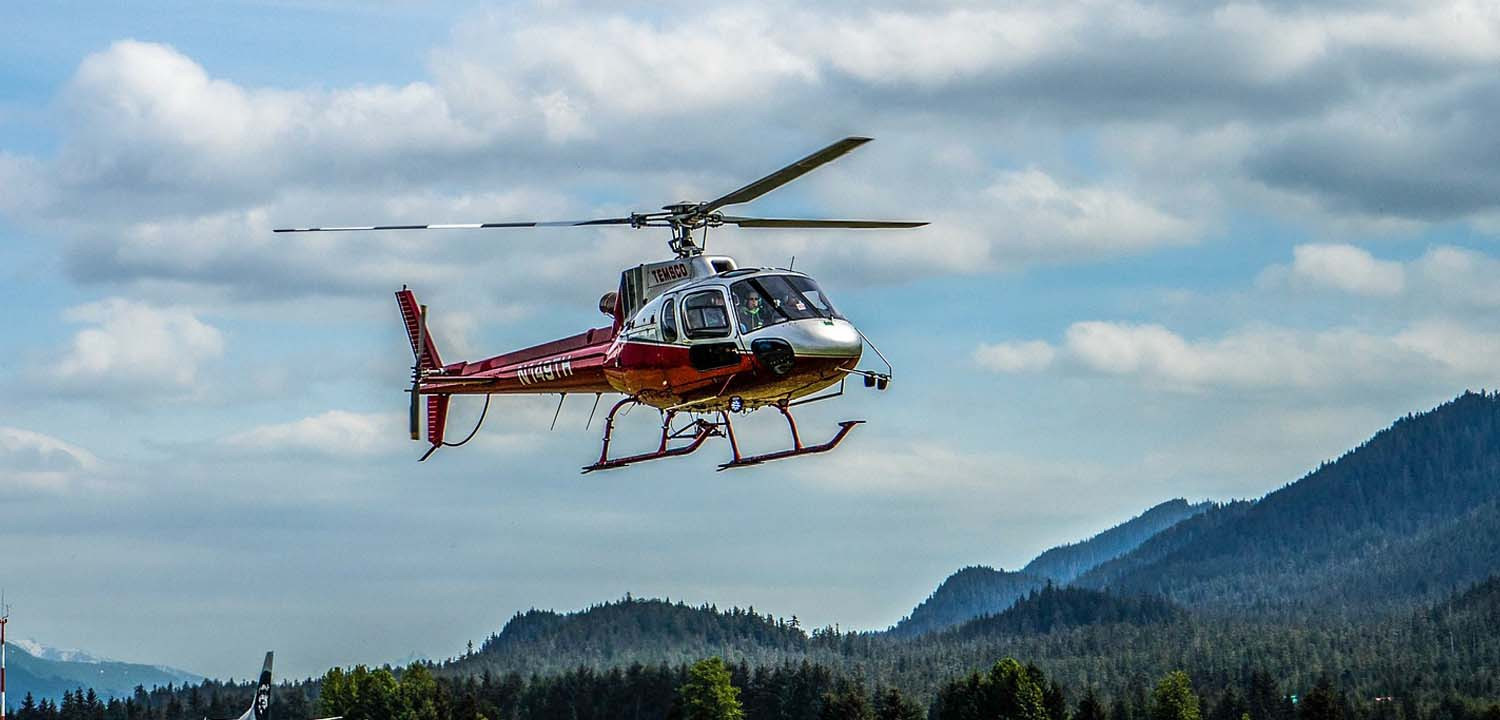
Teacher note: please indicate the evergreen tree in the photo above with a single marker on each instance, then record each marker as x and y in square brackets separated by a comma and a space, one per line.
[1055, 701]
[892, 705]
[847, 703]
[708, 693]
[1321, 703]
[1089, 708]
[1014, 692]
[1173, 698]
[336, 696]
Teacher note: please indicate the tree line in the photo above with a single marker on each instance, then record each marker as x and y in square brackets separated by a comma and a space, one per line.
[711, 689]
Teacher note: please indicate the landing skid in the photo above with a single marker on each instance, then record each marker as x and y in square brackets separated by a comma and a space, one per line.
[699, 431]
[797, 447]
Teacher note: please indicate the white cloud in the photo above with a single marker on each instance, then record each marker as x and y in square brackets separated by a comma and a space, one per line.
[923, 48]
[1262, 357]
[1444, 276]
[335, 432]
[1267, 357]
[31, 462]
[1033, 214]
[612, 65]
[543, 97]
[130, 346]
[1347, 268]
[1012, 357]
[1458, 349]
[1461, 276]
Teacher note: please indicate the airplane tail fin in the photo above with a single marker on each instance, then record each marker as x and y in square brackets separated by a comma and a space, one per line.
[260, 709]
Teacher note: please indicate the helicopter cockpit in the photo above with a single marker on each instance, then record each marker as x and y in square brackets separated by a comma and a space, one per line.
[768, 300]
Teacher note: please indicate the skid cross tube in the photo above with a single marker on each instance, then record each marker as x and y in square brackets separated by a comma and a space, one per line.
[797, 447]
[698, 431]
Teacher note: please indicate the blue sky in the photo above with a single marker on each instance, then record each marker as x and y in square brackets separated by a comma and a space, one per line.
[1177, 250]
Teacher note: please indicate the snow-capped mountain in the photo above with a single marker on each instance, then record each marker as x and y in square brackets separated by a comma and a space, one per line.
[47, 652]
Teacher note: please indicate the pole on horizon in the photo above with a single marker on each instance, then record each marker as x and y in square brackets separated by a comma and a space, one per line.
[4, 618]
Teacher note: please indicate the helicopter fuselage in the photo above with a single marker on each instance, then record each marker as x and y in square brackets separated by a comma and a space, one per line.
[702, 340]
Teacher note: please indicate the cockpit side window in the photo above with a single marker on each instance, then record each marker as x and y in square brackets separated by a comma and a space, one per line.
[704, 315]
[669, 320]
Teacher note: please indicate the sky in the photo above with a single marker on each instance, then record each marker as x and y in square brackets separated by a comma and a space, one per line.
[1177, 250]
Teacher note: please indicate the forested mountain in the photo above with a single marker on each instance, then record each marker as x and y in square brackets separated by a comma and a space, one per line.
[1058, 608]
[1370, 587]
[980, 590]
[632, 630]
[1065, 562]
[46, 678]
[1409, 515]
[1438, 663]
[967, 594]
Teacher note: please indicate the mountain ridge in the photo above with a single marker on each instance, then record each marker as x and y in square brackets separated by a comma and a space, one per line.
[979, 590]
[1407, 515]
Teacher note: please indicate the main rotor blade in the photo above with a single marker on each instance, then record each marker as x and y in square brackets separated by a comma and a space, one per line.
[748, 222]
[462, 226]
[785, 175]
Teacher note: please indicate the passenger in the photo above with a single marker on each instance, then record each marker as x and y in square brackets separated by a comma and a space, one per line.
[792, 300]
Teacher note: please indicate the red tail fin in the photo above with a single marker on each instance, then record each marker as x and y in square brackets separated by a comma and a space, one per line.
[411, 313]
[437, 418]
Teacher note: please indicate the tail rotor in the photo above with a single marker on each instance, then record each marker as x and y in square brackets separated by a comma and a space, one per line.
[425, 360]
[415, 417]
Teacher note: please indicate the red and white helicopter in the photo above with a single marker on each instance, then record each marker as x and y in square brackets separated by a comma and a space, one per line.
[696, 335]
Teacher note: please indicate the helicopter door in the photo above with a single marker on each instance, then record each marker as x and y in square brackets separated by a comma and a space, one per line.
[705, 322]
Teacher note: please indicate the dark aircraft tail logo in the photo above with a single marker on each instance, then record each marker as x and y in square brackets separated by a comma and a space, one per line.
[262, 707]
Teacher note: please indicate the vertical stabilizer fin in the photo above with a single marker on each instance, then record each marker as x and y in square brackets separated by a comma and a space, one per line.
[422, 346]
[437, 419]
[260, 709]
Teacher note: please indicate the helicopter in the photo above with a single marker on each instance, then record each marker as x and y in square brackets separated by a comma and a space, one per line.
[696, 335]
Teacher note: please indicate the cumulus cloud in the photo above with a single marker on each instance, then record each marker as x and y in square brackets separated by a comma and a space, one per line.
[129, 346]
[1443, 276]
[1461, 276]
[1347, 268]
[1263, 357]
[1043, 216]
[1010, 357]
[1347, 109]
[31, 463]
[335, 433]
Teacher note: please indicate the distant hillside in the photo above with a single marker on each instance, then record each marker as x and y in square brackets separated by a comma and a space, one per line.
[1063, 563]
[967, 594]
[979, 590]
[631, 630]
[45, 678]
[1058, 608]
[1408, 516]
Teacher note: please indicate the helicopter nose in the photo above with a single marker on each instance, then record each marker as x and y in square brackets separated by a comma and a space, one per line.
[823, 338]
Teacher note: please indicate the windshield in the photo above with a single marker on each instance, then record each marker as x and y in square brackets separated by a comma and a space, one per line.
[771, 299]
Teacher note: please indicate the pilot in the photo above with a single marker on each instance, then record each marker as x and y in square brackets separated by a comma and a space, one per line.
[752, 315]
